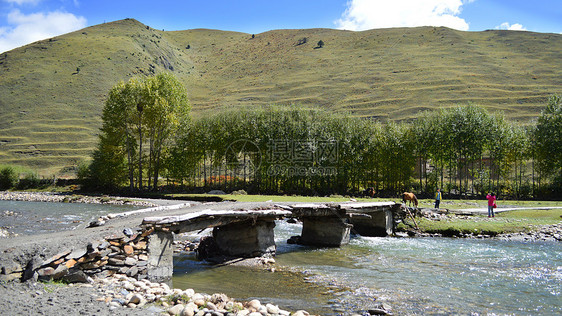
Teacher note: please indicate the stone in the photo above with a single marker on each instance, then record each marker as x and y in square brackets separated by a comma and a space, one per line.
[255, 314]
[70, 263]
[128, 286]
[189, 310]
[128, 249]
[10, 277]
[56, 257]
[300, 313]
[77, 254]
[189, 293]
[116, 262]
[211, 306]
[133, 271]
[199, 302]
[197, 296]
[128, 232]
[136, 298]
[253, 305]
[130, 261]
[272, 309]
[141, 245]
[176, 309]
[11, 267]
[60, 271]
[46, 272]
[77, 276]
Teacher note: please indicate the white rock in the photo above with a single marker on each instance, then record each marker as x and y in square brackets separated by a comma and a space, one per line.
[272, 309]
[128, 286]
[211, 306]
[189, 293]
[150, 297]
[243, 312]
[165, 287]
[136, 298]
[190, 309]
[254, 305]
[301, 313]
[197, 297]
[176, 309]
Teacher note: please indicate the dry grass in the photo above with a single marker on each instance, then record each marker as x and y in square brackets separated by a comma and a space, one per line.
[387, 74]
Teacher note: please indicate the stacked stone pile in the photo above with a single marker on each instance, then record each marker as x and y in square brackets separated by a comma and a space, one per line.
[120, 291]
[64, 198]
[539, 233]
[126, 254]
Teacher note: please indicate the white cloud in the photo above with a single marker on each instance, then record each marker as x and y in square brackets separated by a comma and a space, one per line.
[370, 14]
[511, 27]
[24, 29]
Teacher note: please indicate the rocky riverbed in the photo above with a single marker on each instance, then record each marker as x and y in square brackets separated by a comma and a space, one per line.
[70, 198]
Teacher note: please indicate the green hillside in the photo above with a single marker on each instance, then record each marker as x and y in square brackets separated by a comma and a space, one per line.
[52, 91]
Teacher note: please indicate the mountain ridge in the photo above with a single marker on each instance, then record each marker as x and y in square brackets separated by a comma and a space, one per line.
[52, 91]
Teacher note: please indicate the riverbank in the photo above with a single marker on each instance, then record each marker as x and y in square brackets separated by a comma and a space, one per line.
[518, 224]
[72, 198]
[28, 246]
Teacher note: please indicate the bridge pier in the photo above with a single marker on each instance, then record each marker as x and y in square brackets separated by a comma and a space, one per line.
[378, 224]
[325, 231]
[160, 256]
[246, 239]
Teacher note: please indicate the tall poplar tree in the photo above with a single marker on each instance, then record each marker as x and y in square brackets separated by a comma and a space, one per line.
[139, 115]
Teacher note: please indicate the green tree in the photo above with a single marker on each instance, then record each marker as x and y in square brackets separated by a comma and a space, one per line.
[140, 118]
[8, 178]
[548, 140]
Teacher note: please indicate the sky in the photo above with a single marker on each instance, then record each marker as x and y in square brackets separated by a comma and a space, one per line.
[26, 21]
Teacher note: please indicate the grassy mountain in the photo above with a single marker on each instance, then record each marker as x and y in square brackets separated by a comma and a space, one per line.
[52, 91]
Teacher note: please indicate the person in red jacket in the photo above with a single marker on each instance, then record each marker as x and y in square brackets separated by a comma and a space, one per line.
[491, 203]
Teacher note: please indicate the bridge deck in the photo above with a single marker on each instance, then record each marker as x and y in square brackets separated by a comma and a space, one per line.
[209, 219]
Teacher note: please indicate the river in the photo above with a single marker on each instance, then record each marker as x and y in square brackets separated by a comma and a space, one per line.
[415, 276]
[30, 218]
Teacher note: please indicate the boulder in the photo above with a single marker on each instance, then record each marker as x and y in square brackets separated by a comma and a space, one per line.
[176, 309]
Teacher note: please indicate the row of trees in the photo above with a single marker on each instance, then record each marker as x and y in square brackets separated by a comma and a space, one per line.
[289, 149]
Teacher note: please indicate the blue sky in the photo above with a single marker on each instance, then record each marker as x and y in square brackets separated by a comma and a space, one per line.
[26, 21]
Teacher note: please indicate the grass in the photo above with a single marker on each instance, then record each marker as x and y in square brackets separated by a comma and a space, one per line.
[385, 74]
[272, 198]
[504, 223]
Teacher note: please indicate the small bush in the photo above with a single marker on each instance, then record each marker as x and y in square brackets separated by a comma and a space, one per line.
[29, 181]
[8, 178]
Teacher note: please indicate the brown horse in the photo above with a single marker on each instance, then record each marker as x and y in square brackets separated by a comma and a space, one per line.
[411, 197]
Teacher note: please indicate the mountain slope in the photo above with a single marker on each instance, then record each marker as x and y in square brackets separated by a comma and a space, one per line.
[52, 91]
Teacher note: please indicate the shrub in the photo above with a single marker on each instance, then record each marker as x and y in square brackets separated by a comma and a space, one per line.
[29, 181]
[302, 41]
[8, 178]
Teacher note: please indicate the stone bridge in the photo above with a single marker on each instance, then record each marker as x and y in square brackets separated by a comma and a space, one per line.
[147, 252]
[249, 233]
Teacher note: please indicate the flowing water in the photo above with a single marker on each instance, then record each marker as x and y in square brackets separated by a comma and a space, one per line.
[416, 276]
[31, 218]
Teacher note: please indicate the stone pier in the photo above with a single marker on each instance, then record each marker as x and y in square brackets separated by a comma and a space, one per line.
[160, 256]
[325, 231]
[246, 239]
